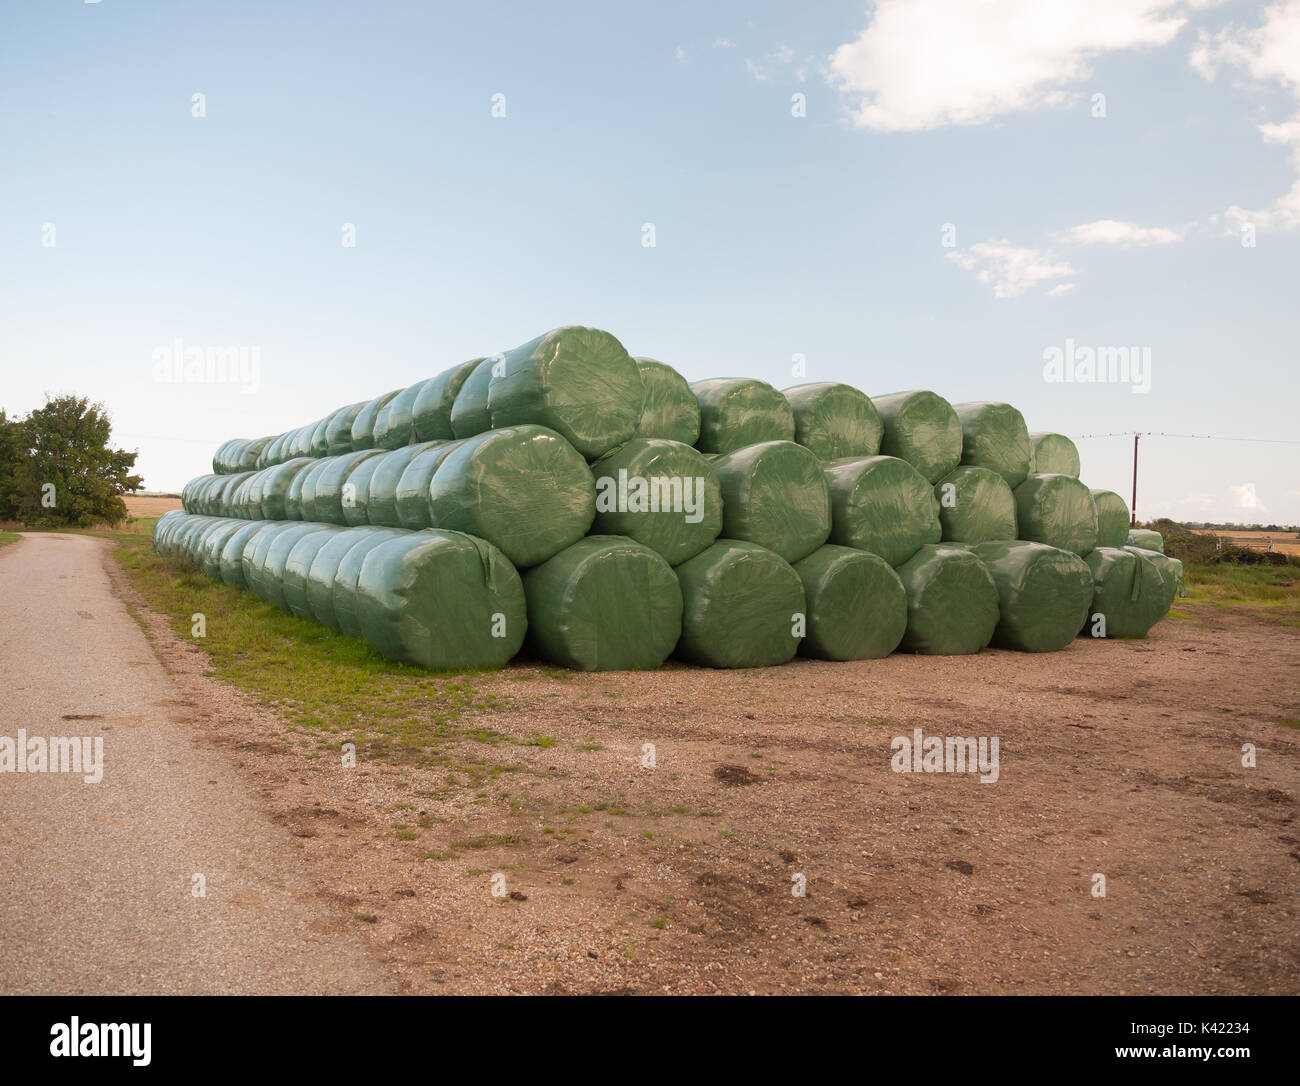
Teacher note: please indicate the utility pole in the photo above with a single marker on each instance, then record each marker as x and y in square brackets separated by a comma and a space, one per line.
[1134, 511]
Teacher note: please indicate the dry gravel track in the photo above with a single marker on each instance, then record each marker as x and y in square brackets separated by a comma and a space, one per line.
[96, 879]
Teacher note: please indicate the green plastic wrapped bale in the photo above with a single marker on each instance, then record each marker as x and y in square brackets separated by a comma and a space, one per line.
[293, 494]
[774, 494]
[923, 429]
[670, 409]
[253, 453]
[226, 498]
[952, 602]
[856, 605]
[523, 488]
[297, 563]
[319, 444]
[663, 494]
[604, 604]
[1053, 454]
[1057, 510]
[254, 554]
[412, 494]
[318, 586]
[1146, 538]
[214, 541]
[247, 504]
[441, 600]
[579, 382]
[270, 454]
[307, 492]
[271, 574]
[343, 597]
[1176, 566]
[994, 436]
[394, 426]
[1171, 574]
[470, 414]
[300, 442]
[1112, 519]
[331, 494]
[338, 431]
[883, 505]
[381, 499]
[431, 412]
[240, 504]
[363, 426]
[189, 493]
[736, 412]
[165, 524]
[975, 506]
[1127, 594]
[231, 561]
[834, 420]
[1044, 594]
[325, 564]
[357, 489]
[742, 606]
[221, 458]
[264, 556]
[238, 454]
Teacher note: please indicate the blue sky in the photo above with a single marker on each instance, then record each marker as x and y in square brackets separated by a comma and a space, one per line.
[776, 236]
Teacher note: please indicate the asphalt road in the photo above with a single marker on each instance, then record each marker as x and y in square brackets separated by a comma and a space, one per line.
[97, 880]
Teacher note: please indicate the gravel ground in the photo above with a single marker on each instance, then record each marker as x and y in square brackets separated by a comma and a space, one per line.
[1121, 759]
[97, 880]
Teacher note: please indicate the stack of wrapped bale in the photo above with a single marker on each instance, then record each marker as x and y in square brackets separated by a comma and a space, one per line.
[600, 512]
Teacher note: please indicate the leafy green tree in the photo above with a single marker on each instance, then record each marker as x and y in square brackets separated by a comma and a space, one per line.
[12, 450]
[66, 474]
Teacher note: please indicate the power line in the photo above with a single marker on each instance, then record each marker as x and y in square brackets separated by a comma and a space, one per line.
[1198, 437]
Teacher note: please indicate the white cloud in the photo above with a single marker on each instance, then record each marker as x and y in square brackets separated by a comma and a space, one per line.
[681, 55]
[774, 65]
[1010, 271]
[1061, 288]
[922, 64]
[1123, 234]
[1244, 497]
[1268, 54]
[724, 43]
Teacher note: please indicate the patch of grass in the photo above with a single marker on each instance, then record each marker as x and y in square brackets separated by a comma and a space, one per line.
[321, 680]
[9, 537]
[1292, 721]
[491, 840]
[1270, 592]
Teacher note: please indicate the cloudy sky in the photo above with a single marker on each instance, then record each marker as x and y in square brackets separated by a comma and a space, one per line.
[983, 198]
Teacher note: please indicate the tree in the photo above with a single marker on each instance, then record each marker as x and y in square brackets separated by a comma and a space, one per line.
[13, 446]
[64, 474]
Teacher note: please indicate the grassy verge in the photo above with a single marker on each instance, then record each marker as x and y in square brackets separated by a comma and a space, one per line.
[324, 684]
[8, 537]
[1267, 592]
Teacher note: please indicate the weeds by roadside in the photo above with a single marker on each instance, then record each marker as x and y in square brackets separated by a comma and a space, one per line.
[323, 682]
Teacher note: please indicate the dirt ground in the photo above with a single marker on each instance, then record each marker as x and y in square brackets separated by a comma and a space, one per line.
[1121, 759]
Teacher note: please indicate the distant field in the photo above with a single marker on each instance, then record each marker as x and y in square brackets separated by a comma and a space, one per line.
[1283, 542]
[140, 505]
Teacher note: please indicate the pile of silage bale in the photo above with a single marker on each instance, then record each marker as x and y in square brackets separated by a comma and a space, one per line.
[599, 512]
